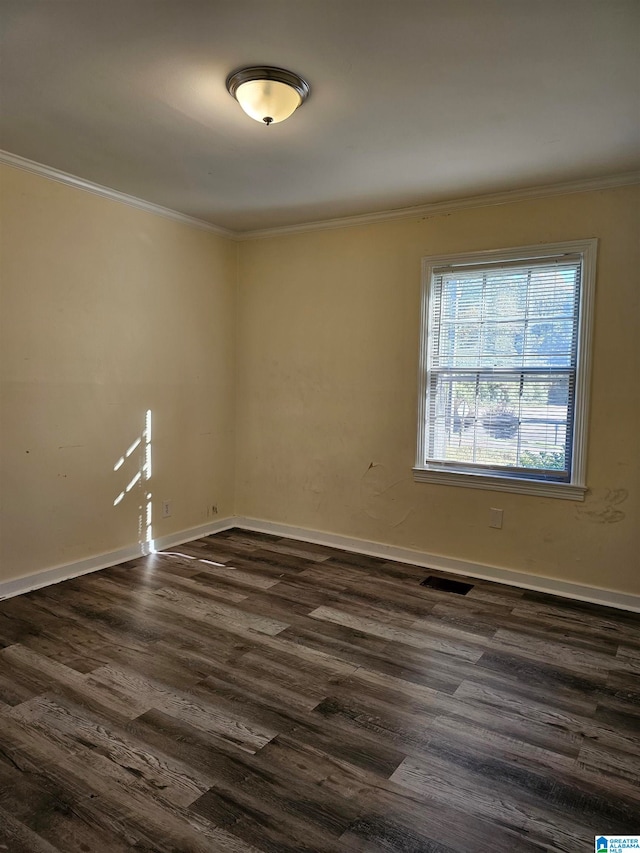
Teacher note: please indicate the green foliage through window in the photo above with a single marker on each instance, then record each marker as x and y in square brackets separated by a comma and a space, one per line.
[543, 459]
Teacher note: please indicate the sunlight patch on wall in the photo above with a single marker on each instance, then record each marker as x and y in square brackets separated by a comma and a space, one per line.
[140, 479]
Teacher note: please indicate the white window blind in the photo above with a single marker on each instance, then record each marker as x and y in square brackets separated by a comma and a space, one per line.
[502, 363]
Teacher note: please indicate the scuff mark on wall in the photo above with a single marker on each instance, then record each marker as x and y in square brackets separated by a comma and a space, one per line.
[602, 508]
[315, 483]
[383, 500]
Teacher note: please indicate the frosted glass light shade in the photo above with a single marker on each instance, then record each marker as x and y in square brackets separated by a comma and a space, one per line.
[268, 99]
[266, 93]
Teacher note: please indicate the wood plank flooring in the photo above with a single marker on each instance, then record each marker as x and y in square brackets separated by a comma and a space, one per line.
[248, 693]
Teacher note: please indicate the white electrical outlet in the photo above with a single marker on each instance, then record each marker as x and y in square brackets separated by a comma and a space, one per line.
[166, 509]
[495, 518]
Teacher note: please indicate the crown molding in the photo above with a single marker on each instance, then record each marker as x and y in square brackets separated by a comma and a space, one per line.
[432, 209]
[442, 207]
[114, 195]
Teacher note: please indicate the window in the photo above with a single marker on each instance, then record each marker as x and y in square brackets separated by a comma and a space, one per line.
[504, 369]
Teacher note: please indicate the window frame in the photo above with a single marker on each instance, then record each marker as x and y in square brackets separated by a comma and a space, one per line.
[451, 475]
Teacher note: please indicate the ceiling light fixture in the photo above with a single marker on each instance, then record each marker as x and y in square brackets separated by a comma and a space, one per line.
[268, 94]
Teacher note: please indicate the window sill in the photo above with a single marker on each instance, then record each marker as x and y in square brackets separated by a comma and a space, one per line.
[565, 491]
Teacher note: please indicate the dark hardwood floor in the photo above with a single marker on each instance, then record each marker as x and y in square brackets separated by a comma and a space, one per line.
[249, 693]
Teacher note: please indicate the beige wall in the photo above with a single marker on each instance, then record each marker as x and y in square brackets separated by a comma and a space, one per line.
[327, 366]
[108, 311]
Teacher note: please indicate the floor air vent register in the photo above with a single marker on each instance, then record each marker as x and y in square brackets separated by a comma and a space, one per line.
[444, 585]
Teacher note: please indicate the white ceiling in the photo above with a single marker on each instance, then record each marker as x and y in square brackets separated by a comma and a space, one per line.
[412, 101]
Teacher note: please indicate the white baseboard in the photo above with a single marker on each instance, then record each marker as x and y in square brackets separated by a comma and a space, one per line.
[192, 533]
[46, 577]
[537, 583]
